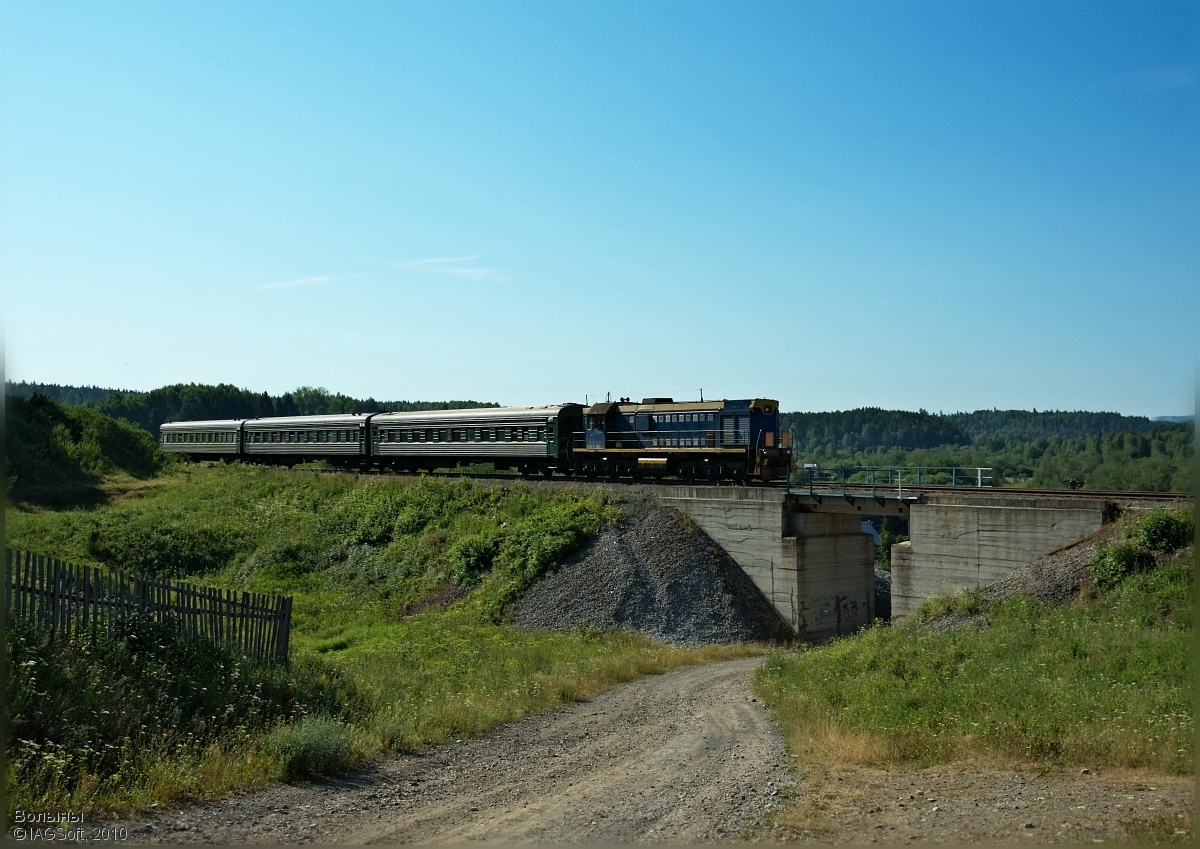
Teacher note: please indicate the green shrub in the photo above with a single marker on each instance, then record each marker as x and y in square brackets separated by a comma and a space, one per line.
[315, 746]
[1165, 532]
[1111, 564]
[145, 545]
[471, 557]
[883, 554]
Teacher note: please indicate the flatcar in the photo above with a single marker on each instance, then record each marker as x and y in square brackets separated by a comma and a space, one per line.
[657, 438]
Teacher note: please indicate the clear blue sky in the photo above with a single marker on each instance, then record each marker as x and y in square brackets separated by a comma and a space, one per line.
[904, 205]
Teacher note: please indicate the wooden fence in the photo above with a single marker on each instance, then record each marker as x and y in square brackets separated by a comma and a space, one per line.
[83, 601]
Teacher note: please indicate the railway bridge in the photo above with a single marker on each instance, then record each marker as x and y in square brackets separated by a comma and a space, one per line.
[807, 553]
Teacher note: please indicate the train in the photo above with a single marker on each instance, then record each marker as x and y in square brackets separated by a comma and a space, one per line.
[736, 440]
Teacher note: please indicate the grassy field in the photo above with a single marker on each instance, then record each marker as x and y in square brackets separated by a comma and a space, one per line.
[400, 640]
[1104, 681]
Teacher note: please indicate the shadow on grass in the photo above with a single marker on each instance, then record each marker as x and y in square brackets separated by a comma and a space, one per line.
[64, 496]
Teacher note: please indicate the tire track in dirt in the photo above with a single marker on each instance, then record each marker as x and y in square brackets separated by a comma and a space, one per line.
[687, 756]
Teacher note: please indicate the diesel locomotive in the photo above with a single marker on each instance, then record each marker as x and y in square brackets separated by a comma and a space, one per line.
[702, 440]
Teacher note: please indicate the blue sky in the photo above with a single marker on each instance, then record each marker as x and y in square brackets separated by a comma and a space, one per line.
[907, 205]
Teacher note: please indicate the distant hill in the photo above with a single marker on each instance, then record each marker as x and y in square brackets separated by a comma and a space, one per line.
[196, 401]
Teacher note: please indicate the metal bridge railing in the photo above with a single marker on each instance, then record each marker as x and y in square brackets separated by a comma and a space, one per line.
[883, 480]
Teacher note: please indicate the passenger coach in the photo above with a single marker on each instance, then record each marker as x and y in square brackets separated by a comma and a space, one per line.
[535, 440]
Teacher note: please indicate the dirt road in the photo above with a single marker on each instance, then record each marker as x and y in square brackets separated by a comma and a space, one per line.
[688, 756]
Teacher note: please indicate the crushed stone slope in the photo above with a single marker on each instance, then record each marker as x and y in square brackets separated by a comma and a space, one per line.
[656, 573]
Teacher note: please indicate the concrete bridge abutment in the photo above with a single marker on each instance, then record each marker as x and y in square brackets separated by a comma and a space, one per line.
[965, 540]
[809, 557]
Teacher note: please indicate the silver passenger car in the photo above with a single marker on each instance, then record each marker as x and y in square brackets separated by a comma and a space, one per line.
[293, 439]
[211, 439]
[534, 439]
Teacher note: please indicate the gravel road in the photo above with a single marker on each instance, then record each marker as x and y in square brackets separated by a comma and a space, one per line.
[688, 756]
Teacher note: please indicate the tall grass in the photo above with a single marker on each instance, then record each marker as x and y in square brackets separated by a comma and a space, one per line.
[144, 715]
[1106, 681]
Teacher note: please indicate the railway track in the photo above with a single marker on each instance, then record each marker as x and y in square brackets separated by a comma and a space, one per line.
[857, 490]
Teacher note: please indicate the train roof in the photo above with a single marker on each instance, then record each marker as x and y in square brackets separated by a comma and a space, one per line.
[330, 420]
[214, 424]
[471, 414]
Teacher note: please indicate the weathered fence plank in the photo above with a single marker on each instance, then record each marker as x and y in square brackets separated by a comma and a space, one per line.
[71, 600]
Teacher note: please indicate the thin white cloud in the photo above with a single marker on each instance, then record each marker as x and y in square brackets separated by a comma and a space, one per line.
[422, 263]
[1157, 79]
[456, 267]
[308, 281]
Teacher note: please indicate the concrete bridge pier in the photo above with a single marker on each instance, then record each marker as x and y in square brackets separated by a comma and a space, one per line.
[807, 554]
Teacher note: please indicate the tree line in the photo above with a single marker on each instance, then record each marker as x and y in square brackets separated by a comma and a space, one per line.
[197, 402]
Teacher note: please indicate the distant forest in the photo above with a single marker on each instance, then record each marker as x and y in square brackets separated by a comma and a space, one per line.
[196, 401]
[1043, 449]
[872, 427]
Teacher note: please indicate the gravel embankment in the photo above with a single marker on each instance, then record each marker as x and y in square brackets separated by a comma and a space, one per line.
[656, 573]
[883, 594]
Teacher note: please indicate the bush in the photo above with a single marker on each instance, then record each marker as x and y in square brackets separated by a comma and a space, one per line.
[314, 746]
[1165, 532]
[1111, 564]
[471, 557]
